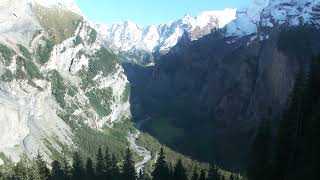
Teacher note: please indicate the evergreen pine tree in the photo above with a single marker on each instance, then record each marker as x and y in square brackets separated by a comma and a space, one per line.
[128, 172]
[161, 170]
[213, 173]
[259, 167]
[179, 171]
[141, 175]
[100, 166]
[195, 175]
[289, 132]
[90, 174]
[44, 171]
[78, 171]
[108, 165]
[202, 175]
[115, 171]
[231, 177]
[66, 169]
[20, 171]
[56, 171]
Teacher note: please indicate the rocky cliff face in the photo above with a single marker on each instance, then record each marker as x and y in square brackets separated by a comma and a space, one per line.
[55, 77]
[218, 88]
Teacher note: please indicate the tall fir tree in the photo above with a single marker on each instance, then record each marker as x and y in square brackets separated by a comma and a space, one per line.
[161, 170]
[259, 167]
[289, 132]
[90, 174]
[128, 172]
[203, 175]
[115, 171]
[100, 165]
[213, 173]
[141, 175]
[108, 164]
[180, 172]
[231, 177]
[78, 171]
[56, 171]
[44, 171]
[20, 171]
[66, 169]
[195, 175]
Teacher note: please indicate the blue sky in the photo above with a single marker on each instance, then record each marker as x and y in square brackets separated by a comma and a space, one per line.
[146, 12]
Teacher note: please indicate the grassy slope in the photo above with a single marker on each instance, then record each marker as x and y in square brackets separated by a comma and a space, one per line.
[60, 24]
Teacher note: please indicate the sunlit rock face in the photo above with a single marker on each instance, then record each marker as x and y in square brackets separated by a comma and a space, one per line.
[55, 74]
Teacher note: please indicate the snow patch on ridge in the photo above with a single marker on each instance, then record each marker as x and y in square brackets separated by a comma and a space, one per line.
[247, 21]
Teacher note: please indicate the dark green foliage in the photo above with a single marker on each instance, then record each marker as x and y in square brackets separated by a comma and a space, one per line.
[289, 132]
[26, 69]
[100, 100]
[78, 40]
[25, 52]
[89, 140]
[172, 157]
[108, 164]
[24, 169]
[7, 54]
[161, 170]
[103, 61]
[195, 175]
[296, 155]
[115, 171]
[92, 36]
[203, 175]
[78, 170]
[20, 171]
[100, 166]
[140, 175]
[128, 170]
[259, 163]
[66, 169]
[44, 52]
[232, 177]
[90, 174]
[179, 171]
[213, 173]
[56, 171]
[44, 171]
[58, 87]
[7, 76]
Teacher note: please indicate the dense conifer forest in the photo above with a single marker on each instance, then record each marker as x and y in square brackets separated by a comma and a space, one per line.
[105, 166]
[294, 152]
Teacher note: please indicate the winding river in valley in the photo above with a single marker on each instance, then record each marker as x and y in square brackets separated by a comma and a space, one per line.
[141, 151]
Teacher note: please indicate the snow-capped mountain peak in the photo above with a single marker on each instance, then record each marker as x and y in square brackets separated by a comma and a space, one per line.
[128, 35]
[268, 13]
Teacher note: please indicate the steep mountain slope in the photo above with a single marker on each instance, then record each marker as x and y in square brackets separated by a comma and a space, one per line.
[133, 40]
[56, 79]
[213, 92]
